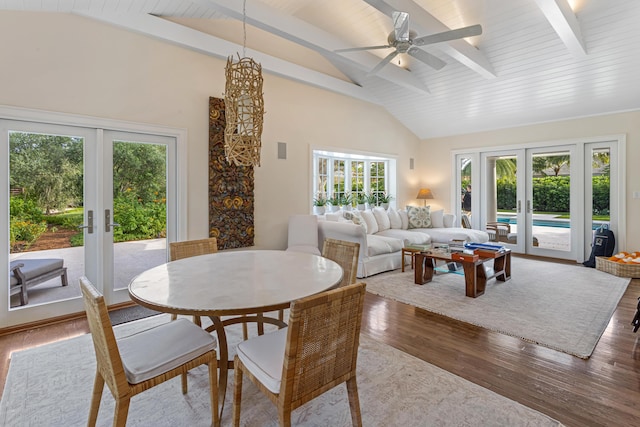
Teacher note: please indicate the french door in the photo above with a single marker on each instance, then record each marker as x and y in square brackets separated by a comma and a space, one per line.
[113, 192]
[529, 195]
[542, 199]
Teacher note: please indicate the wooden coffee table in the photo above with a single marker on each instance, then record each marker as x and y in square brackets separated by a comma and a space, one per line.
[475, 275]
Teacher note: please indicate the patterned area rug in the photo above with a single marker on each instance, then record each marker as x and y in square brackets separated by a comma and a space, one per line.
[51, 385]
[561, 306]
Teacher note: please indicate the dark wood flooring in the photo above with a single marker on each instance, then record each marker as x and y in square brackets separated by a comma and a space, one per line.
[603, 390]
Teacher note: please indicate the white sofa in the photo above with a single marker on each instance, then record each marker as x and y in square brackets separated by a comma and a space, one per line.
[381, 243]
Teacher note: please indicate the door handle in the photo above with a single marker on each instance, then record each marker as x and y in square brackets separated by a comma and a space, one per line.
[529, 206]
[89, 225]
[107, 221]
[519, 206]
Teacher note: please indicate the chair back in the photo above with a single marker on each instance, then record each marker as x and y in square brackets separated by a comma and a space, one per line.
[464, 219]
[344, 253]
[104, 341]
[322, 343]
[189, 248]
[303, 232]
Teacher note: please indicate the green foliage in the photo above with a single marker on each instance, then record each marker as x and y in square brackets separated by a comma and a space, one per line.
[334, 200]
[25, 209]
[67, 220]
[26, 231]
[140, 168]
[320, 200]
[552, 194]
[138, 220]
[49, 167]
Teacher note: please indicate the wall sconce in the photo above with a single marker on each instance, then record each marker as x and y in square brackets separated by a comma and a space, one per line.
[424, 194]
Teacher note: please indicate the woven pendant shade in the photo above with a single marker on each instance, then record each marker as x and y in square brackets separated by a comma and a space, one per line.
[244, 108]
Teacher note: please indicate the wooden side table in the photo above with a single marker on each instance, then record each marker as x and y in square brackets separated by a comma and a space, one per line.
[412, 253]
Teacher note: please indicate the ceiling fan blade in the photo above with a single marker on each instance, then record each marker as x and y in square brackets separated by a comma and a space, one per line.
[401, 25]
[382, 63]
[355, 49]
[429, 59]
[460, 33]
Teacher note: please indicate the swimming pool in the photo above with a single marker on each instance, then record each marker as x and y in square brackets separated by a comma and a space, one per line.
[559, 223]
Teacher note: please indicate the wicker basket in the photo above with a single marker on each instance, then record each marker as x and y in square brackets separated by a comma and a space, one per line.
[617, 268]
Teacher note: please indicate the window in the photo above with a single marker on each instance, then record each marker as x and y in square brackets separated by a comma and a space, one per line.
[340, 175]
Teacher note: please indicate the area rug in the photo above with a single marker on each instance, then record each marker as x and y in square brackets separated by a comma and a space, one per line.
[129, 314]
[51, 386]
[565, 307]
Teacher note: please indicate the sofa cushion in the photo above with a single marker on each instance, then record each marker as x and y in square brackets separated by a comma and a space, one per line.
[404, 217]
[437, 218]
[379, 245]
[394, 218]
[419, 217]
[409, 237]
[444, 235]
[449, 220]
[382, 218]
[372, 224]
[356, 218]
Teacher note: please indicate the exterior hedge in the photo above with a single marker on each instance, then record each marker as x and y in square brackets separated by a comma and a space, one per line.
[551, 194]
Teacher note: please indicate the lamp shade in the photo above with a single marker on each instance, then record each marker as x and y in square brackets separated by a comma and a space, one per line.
[424, 193]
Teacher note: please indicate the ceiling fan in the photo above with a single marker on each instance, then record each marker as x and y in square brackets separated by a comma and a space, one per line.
[404, 41]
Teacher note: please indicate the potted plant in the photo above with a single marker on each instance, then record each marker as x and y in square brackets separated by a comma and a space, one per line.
[384, 200]
[346, 201]
[372, 200]
[334, 201]
[319, 204]
[361, 201]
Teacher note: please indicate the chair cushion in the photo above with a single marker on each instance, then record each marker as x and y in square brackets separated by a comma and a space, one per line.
[378, 245]
[155, 351]
[264, 357]
[372, 224]
[36, 267]
[382, 219]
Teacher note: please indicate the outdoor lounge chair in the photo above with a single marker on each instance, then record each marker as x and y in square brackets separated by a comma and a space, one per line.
[26, 273]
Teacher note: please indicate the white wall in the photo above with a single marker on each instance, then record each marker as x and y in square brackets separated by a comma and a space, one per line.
[436, 154]
[66, 63]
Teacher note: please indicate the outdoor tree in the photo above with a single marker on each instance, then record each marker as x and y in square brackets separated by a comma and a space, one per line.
[48, 168]
[139, 169]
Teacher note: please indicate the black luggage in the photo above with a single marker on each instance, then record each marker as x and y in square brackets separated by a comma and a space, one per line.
[636, 320]
[603, 244]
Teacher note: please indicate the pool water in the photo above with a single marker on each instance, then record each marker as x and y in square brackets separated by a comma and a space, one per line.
[560, 223]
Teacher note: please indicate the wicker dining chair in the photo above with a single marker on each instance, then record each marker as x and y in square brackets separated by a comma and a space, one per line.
[138, 362]
[189, 248]
[344, 253]
[315, 353]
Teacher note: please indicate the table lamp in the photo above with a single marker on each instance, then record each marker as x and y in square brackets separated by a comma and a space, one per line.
[424, 194]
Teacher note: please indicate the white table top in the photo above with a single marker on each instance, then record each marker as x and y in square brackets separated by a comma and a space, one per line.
[232, 283]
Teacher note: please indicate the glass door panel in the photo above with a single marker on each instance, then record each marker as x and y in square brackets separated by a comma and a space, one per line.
[504, 192]
[135, 206]
[552, 193]
[44, 207]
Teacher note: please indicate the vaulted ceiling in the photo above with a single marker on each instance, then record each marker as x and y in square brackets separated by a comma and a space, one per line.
[535, 61]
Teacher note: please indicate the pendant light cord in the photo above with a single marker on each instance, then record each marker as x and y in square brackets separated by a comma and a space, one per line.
[244, 28]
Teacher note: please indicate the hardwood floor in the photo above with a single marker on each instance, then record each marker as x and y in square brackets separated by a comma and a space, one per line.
[603, 390]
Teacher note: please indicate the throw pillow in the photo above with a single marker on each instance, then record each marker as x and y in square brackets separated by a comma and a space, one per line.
[449, 220]
[404, 217]
[419, 217]
[356, 218]
[382, 219]
[437, 219]
[372, 225]
[394, 218]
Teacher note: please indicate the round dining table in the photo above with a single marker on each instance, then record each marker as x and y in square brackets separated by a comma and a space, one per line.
[241, 284]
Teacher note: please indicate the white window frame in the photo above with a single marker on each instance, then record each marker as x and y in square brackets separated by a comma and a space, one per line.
[348, 158]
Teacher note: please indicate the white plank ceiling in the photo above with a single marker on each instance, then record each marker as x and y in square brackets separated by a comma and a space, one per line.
[535, 61]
